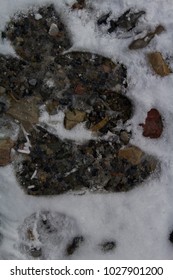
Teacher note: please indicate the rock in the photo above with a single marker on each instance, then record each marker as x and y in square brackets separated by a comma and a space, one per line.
[103, 19]
[25, 111]
[54, 30]
[32, 82]
[5, 150]
[132, 154]
[100, 125]
[52, 106]
[35, 252]
[124, 137]
[2, 90]
[80, 89]
[143, 42]
[74, 117]
[158, 64]
[127, 21]
[153, 126]
[108, 246]
[74, 245]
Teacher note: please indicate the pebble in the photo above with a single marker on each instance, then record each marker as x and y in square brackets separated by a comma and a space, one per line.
[54, 30]
[2, 90]
[5, 150]
[143, 42]
[32, 82]
[72, 118]
[158, 64]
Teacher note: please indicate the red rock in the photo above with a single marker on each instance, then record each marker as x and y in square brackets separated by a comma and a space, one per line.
[79, 89]
[153, 126]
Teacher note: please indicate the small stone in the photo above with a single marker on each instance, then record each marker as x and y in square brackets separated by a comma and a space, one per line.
[2, 90]
[79, 89]
[30, 234]
[153, 126]
[127, 21]
[158, 64]
[5, 150]
[54, 30]
[38, 16]
[74, 245]
[100, 125]
[32, 82]
[143, 42]
[74, 117]
[25, 110]
[124, 137]
[103, 19]
[108, 246]
[132, 154]
[36, 252]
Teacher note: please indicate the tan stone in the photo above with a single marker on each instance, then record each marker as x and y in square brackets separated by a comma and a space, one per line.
[5, 150]
[100, 125]
[132, 154]
[158, 64]
[72, 118]
[124, 137]
[26, 110]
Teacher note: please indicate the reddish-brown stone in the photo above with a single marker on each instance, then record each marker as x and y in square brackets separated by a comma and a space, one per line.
[80, 89]
[153, 126]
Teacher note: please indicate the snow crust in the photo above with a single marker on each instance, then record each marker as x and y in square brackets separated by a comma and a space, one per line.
[140, 221]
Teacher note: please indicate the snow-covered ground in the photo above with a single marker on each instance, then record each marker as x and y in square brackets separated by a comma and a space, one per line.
[140, 221]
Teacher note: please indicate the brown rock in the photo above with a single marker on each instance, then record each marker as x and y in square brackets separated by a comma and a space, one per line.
[153, 126]
[2, 90]
[5, 149]
[124, 137]
[74, 117]
[100, 125]
[143, 42]
[26, 110]
[132, 154]
[80, 89]
[158, 64]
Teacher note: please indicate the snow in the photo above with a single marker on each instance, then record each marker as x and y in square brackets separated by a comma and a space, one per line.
[140, 221]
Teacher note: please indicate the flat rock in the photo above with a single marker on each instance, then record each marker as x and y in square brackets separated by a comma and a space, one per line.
[153, 125]
[25, 110]
[72, 118]
[5, 150]
[158, 64]
[132, 154]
